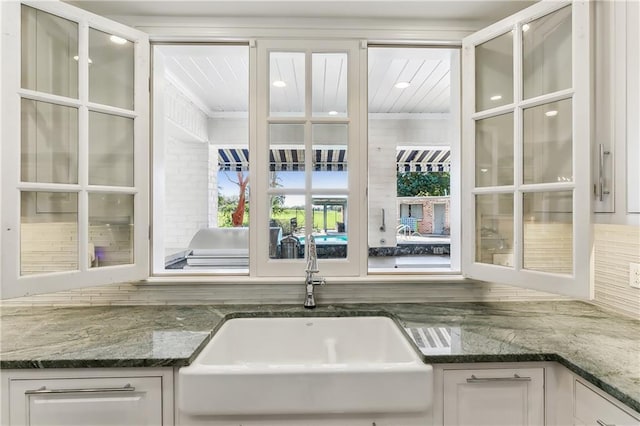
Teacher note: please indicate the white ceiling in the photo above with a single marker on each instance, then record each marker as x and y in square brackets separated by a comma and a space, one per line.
[217, 76]
[434, 10]
[426, 69]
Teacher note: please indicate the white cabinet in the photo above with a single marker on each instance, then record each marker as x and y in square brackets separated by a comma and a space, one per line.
[632, 16]
[593, 408]
[617, 107]
[87, 397]
[491, 396]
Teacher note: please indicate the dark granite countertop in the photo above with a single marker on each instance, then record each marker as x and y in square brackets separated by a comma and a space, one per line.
[601, 347]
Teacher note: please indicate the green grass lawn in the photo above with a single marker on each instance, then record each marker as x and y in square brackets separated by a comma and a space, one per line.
[285, 216]
[318, 218]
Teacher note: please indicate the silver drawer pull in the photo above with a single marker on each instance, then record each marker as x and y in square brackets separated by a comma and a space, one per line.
[515, 378]
[42, 390]
[600, 186]
[601, 423]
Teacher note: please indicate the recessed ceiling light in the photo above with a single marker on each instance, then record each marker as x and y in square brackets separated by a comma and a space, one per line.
[496, 97]
[552, 113]
[525, 28]
[117, 40]
[402, 84]
[333, 112]
[484, 170]
[279, 83]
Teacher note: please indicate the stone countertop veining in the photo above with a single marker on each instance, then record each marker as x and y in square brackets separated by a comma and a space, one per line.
[601, 347]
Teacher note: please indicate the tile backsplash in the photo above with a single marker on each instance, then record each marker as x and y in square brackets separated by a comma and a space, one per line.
[615, 247]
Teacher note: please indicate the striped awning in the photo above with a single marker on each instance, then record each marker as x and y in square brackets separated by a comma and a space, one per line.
[412, 160]
[233, 160]
[423, 160]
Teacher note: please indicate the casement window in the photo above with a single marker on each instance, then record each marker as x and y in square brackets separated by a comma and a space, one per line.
[307, 148]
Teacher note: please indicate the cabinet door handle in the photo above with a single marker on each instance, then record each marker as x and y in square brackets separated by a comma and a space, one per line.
[515, 378]
[599, 190]
[44, 390]
[601, 423]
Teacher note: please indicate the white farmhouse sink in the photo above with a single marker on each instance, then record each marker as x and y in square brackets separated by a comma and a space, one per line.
[263, 366]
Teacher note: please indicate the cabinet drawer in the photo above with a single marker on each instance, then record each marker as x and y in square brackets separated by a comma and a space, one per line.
[86, 401]
[590, 408]
[505, 396]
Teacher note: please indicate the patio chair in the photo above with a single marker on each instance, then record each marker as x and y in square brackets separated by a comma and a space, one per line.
[403, 230]
[412, 224]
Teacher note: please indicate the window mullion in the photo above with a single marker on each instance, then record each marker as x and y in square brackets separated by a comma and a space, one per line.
[308, 144]
[518, 234]
[83, 144]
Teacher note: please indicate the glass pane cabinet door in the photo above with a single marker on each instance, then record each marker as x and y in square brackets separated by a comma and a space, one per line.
[494, 72]
[529, 129]
[547, 219]
[49, 53]
[494, 229]
[494, 151]
[110, 149]
[49, 232]
[546, 50]
[49, 142]
[74, 212]
[111, 229]
[111, 75]
[547, 143]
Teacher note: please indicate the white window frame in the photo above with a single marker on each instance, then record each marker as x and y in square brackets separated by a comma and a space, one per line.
[14, 285]
[578, 284]
[260, 263]
[180, 30]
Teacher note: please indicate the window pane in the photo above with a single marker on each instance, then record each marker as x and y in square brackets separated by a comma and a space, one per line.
[494, 229]
[202, 201]
[111, 74]
[288, 230]
[329, 227]
[330, 143]
[547, 151]
[49, 143]
[329, 84]
[49, 53]
[494, 151]
[494, 72]
[548, 231]
[546, 44]
[110, 150]
[48, 232]
[111, 228]
[286, 226]
[409, 158]
[286, 156]
[287, 84]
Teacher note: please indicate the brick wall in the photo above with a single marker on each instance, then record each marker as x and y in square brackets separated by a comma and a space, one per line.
[187, 170]
[426, 224]
[186, 191]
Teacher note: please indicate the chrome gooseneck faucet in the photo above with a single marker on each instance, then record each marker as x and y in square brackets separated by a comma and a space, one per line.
[312, 268]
